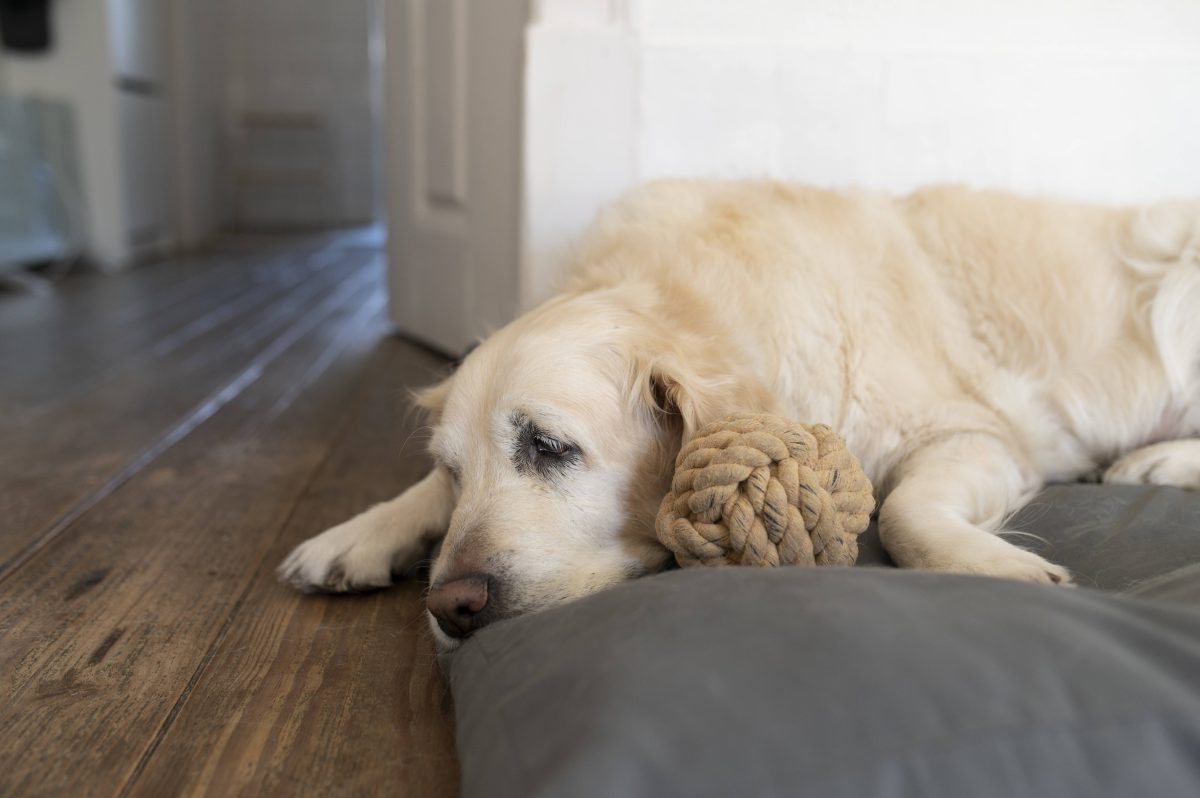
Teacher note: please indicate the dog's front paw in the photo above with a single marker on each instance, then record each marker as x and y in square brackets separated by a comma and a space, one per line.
[339, 560]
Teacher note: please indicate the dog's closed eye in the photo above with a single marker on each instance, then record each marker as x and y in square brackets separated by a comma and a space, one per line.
[538, 451]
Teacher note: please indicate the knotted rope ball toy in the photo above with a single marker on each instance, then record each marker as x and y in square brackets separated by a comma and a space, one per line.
[757, 489]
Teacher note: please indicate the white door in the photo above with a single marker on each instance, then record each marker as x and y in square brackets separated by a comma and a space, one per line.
[453, 146]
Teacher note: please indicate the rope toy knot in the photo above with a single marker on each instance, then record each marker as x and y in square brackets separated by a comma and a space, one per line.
[757, 489]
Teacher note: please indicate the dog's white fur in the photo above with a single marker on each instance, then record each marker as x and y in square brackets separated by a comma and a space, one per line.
[969, 345]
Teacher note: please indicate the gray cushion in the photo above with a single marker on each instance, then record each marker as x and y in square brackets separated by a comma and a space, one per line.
[860, 682]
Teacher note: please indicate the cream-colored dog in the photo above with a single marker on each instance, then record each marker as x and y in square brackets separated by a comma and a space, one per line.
[969, 345]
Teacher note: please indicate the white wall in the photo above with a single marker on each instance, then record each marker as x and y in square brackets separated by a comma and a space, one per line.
[1096, 99]
[198, 81]
[79, 71]
[307, 65]
[1092, 98]
[285, 59]
[581, 130]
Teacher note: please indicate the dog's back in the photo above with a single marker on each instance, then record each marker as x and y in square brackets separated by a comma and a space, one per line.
[1073, 327]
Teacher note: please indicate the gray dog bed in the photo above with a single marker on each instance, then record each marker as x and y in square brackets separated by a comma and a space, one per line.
[862, 682]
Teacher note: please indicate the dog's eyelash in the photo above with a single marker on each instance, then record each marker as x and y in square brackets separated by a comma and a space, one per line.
[551, 446]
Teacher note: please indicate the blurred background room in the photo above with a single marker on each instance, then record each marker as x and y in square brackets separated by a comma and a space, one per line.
[136, 129]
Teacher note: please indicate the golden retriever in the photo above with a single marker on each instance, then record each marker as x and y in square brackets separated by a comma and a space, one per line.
[969, 345]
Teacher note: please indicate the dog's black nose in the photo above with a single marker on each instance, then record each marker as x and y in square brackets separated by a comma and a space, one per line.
[461, 605]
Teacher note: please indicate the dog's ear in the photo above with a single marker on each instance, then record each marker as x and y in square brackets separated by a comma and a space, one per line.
[698, 394]
[431, 400]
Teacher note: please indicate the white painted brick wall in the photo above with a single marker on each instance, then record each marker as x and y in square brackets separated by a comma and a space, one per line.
[1090, 98]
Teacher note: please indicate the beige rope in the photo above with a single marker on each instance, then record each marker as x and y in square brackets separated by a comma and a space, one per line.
[764, 490]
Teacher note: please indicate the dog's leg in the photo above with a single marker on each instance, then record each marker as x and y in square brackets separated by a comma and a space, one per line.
[949, 501]
[1174, 463]
[366, 551]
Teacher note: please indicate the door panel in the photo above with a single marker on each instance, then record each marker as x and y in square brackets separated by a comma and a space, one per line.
[453, 96]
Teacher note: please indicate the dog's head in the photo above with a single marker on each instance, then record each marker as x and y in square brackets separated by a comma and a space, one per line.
[560, 433]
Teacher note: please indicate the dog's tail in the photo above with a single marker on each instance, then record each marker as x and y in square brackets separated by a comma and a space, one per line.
[1162, 243]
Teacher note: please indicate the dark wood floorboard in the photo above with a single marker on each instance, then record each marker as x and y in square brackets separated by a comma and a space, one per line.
[235, 734]
[145, 644]
[61, 452]
[50, 342]
[58, 365]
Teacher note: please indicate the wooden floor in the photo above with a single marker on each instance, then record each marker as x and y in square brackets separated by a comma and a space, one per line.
[166, 436]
